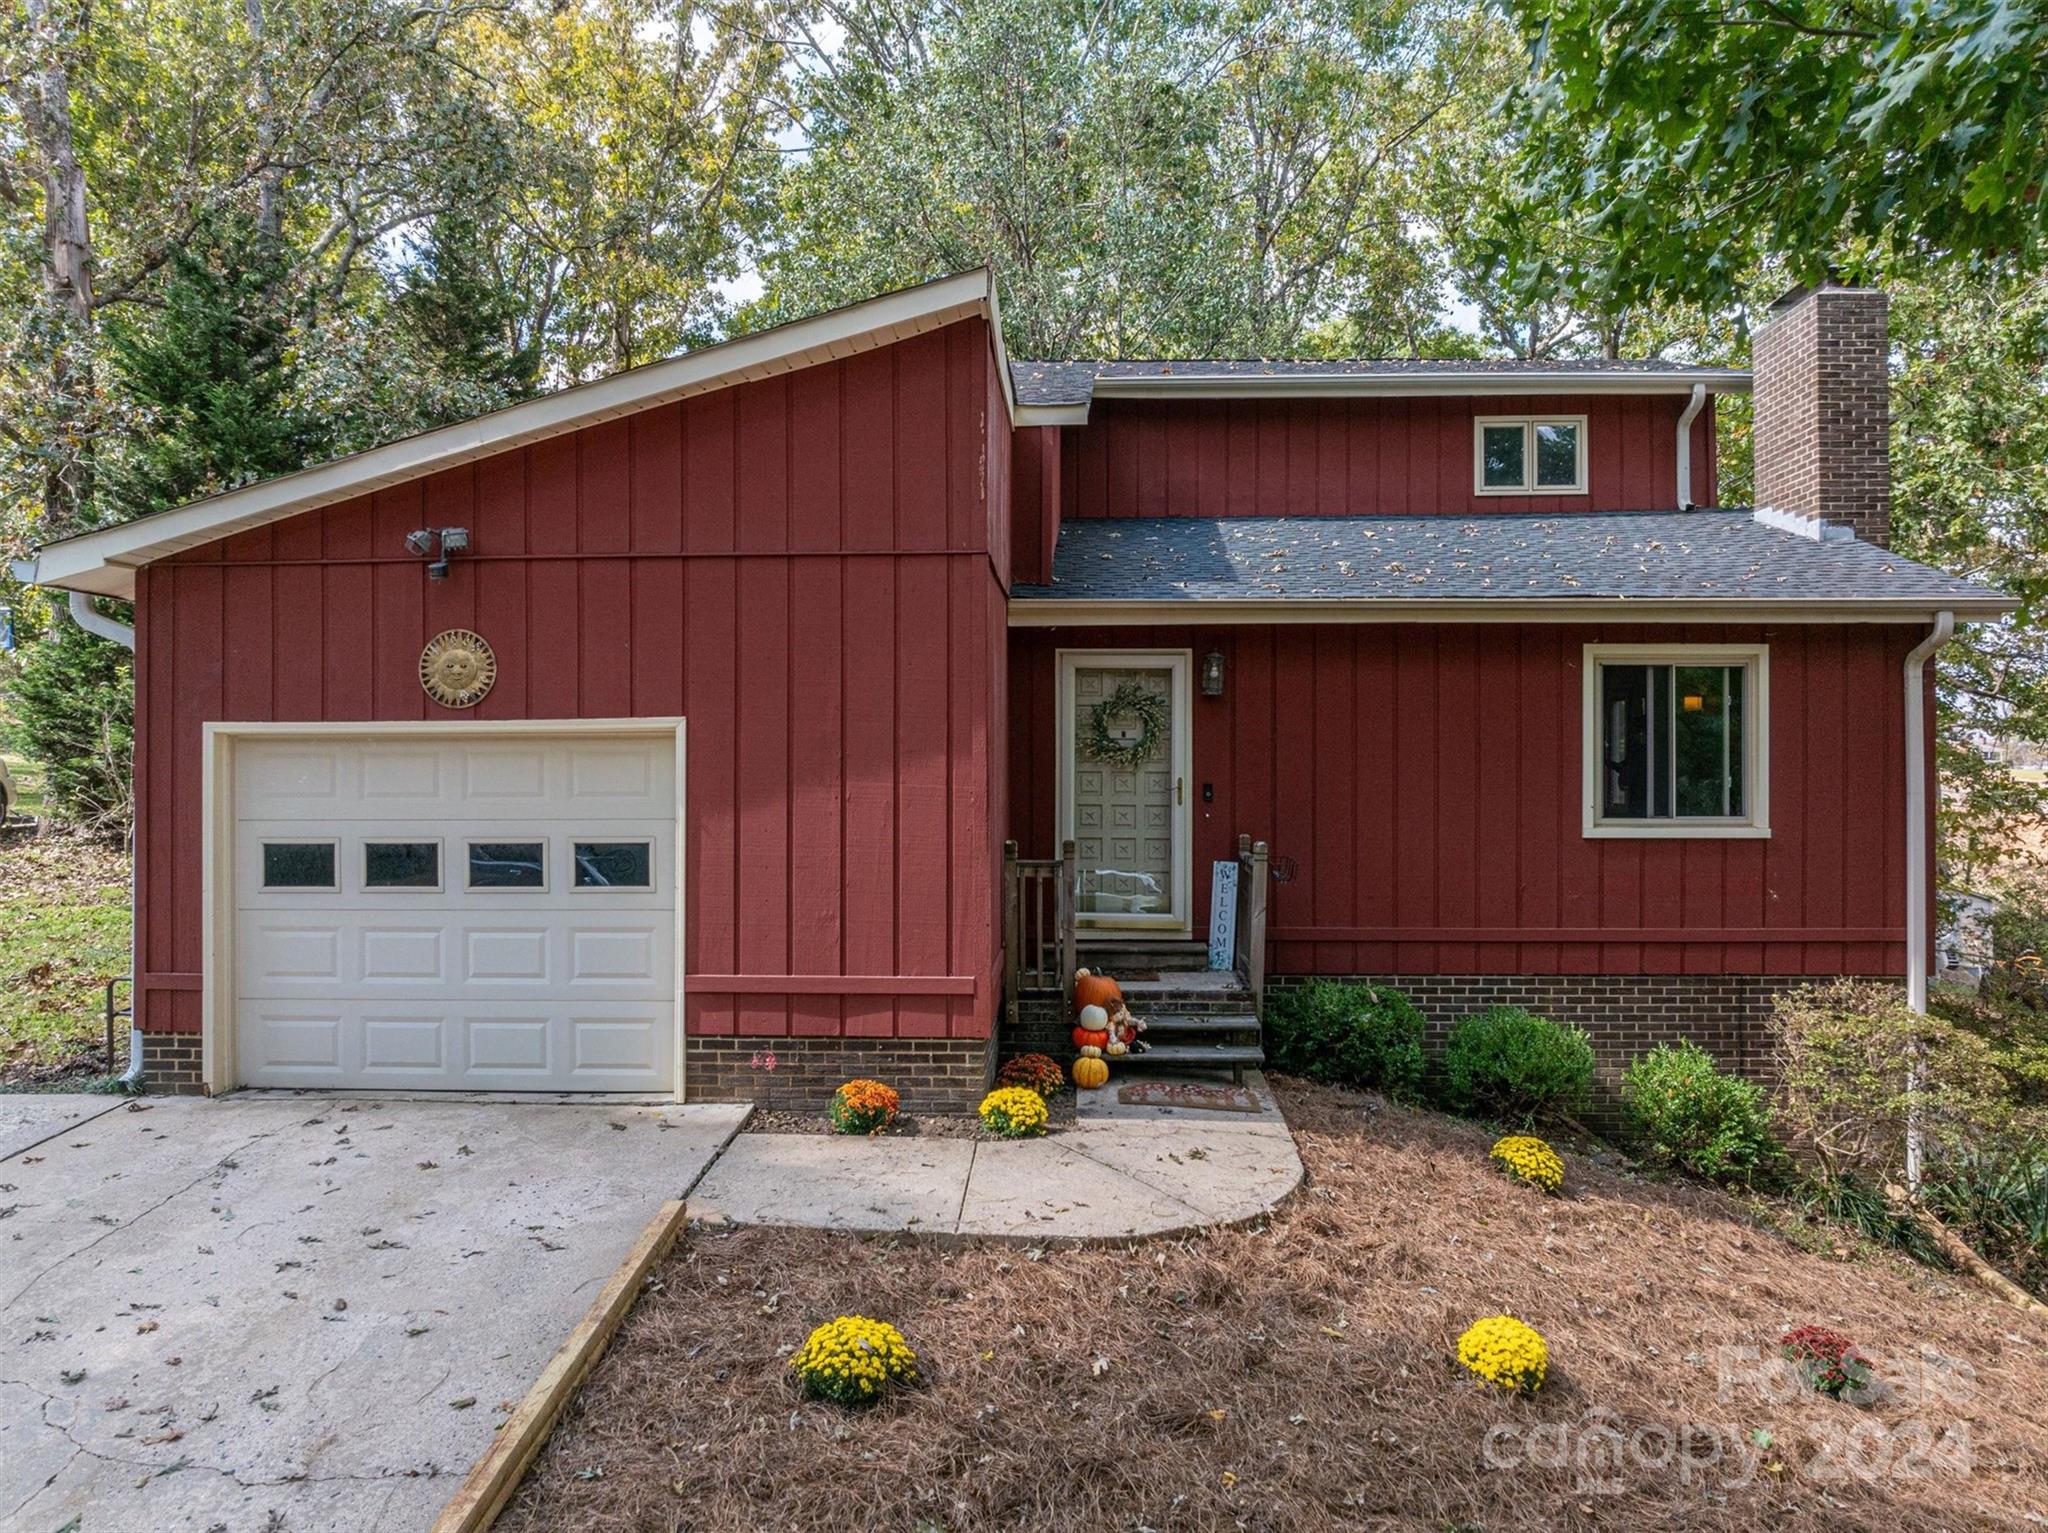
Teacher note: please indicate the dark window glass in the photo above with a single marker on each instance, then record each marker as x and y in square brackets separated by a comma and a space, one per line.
[1557, 454]
[298, 864]
[614, 865]
[401, 864]
[507, 865]
[1504, 451]
[1625, 742]
[1671, 742]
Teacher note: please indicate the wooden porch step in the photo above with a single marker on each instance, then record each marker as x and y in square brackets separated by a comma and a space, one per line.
[1193, 1056]
[1119, 958]
[1177, 1025]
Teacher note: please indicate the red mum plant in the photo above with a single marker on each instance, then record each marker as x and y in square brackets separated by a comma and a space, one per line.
[1034, 1072]
[1827, 1360]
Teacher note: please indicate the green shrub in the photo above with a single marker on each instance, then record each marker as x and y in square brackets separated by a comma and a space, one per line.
[1509, 1064]
[1843, 1051]
[1686, 1110]
[1350, 1035]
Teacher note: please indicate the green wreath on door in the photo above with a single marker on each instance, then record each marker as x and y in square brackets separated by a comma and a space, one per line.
[1130, 700]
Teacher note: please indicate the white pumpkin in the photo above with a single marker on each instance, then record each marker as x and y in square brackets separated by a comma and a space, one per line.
[1094, 1019]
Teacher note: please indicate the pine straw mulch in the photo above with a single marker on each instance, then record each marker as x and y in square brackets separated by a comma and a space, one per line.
[1296, 1375]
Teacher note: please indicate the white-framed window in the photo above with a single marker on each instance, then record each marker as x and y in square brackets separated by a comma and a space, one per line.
[1529, 455]
[508, 864]
[301, 864]
[395, 864]
[615, 864]
[1677, 740]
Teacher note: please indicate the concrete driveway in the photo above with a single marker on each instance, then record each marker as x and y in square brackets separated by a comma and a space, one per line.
[282, 1313]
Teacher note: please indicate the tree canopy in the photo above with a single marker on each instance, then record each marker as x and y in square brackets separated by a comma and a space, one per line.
[238, 237]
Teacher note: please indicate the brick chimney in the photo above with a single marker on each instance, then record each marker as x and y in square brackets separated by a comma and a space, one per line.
[1823, 449]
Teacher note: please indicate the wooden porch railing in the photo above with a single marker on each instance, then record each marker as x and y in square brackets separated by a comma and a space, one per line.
[1038, 923]
[1250, 956]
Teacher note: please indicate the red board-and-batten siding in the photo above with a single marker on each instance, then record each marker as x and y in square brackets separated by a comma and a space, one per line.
[1332, 457]
[1420, 789]
[807, 568]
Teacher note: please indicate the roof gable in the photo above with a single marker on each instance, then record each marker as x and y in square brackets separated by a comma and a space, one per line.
[103, 561]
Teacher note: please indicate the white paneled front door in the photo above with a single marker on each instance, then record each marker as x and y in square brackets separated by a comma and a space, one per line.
[495, 913]
[1128, 818]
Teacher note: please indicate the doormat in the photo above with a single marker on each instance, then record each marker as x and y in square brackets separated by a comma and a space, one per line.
[1184, 1094]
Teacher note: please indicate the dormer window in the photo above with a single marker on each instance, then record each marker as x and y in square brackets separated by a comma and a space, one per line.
[1529, 455]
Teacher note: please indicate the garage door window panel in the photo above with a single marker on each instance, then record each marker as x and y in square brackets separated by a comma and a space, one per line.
[508, 865]
[402, 865]
[299, 864]
[614, 865]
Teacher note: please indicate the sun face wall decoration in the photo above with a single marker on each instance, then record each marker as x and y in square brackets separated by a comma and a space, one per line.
[457, 668]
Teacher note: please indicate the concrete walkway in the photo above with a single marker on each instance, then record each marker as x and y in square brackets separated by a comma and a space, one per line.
[1118, 1173]
[298, 1312]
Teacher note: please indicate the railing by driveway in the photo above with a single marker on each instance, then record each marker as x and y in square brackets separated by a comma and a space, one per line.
[1038, 923]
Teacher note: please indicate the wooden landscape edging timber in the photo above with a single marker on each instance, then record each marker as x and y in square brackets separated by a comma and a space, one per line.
[494, 1476]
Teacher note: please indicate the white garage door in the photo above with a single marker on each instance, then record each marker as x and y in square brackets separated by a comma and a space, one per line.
[495, 914]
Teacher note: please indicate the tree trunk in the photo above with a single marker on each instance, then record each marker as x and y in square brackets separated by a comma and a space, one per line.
[43, 98]
[269, 175]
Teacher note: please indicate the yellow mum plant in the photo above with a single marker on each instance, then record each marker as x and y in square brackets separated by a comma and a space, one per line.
[853, 1360]
[1528, 1159]
[1502, 1350]
[1013, 1112]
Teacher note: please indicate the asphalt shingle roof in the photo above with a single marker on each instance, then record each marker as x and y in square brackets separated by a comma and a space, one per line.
[1648, 555]
[1073, 383]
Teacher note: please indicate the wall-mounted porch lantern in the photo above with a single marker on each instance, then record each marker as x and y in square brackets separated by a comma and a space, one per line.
[1212, 674]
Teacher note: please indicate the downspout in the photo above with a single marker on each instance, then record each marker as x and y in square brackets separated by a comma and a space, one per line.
[1692, 410]
[1918, 893]
[93, 621]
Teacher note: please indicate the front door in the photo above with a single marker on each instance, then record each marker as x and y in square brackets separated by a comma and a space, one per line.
[1124, 761]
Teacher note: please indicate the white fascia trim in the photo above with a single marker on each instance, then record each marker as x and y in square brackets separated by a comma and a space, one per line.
[1411, 385]
[104, 562]
[1047, 612]
[1049, 415]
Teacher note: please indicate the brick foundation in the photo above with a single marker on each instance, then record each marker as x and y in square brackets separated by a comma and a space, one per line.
[1624, 1014]
[932, 1074]
[171, 1064]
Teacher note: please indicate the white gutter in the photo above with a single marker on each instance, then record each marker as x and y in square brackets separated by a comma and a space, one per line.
[1166, 384]
[1917, 890]
[1692, 410]
[93, 621]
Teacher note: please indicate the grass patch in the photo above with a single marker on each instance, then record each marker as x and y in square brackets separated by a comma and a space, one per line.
[1300, 1374]
[28, 784]
[64, 932]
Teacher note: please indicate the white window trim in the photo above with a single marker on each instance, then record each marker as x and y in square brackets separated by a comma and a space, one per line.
[1528, 423]
[1756, 708]
[438, 886]
[492, 891]
[290, 889]
[653, 870]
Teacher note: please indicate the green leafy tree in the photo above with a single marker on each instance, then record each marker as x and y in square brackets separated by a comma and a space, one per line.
[71, 707]
[207, 382]
[1165, 180]
[1683, 139]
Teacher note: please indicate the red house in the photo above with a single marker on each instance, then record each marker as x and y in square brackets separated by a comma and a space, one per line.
[664, 734]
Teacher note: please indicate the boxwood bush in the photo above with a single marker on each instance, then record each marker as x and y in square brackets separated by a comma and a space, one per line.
[1684, 1109]
[1348, 1035]
[1509, 1064]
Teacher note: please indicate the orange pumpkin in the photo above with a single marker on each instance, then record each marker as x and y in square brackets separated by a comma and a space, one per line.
[1096, 990]
[1089, 1038]
[1090, 1074]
